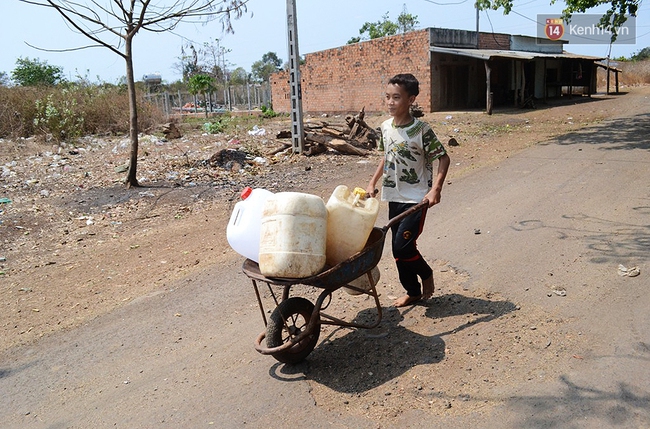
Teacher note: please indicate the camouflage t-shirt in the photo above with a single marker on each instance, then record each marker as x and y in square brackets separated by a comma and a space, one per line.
[408, 169]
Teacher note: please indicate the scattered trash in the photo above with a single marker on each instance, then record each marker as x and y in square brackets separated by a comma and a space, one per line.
[259, 160]
[5, 201]
[257, 131]
[453, 142]
[477, 231]
[121, 168]
[558, 290]
[448, 117]
[628, 272]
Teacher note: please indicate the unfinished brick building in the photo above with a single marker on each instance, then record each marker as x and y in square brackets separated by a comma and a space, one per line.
[452, 66]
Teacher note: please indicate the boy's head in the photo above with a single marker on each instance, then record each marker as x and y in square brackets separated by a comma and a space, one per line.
[406, 81]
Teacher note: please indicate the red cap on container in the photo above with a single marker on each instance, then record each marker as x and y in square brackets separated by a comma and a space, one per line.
[246, 192]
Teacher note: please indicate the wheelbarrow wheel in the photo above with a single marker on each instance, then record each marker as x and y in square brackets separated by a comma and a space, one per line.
[288, 320]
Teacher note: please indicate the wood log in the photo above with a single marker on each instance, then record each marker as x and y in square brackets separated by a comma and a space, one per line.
[338, 145]
[316, 138]
[315, 149]
[333, 132]
[284, 147]
[345, 148]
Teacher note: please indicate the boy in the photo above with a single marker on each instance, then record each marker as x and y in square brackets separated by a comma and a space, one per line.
[406, 171]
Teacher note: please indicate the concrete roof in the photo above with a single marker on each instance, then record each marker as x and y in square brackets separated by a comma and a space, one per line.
[487, 54]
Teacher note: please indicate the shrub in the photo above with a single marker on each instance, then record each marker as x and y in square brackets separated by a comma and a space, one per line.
[268, 112]
[217, 126]
[59, 116]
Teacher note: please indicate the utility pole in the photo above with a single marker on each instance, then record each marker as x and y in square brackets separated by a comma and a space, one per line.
[477, 27]
[297, 127]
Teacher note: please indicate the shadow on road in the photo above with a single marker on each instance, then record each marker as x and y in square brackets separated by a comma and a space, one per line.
[608, 241]
[361, 360]
[576, 405]
[618, 134]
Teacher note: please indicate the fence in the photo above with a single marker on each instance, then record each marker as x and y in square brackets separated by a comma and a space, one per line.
[233, 98]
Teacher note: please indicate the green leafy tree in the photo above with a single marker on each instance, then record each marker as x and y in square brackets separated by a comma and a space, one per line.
[385, 27]
[407, 22]
[201, 84]
[643, 54]
[113, 24]
[611, 20]
[34, 73]
[4, 79]
[239, 76]
[264, 68]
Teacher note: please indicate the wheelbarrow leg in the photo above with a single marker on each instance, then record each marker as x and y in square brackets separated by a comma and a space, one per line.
[259, 301]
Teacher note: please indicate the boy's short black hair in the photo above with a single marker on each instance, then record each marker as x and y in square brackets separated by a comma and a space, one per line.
[406, 81]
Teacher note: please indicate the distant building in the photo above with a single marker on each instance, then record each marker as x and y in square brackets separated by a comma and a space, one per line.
[452, 66]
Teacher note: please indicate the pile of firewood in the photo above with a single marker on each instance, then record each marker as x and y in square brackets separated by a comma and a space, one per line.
[355, 137]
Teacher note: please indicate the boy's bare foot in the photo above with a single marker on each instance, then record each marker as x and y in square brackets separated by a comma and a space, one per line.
[406, 300]
[427, 288]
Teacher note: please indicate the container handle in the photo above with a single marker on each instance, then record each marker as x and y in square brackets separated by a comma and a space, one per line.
[419, 206]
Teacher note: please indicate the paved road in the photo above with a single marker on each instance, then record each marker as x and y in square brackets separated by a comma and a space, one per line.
[572, 209]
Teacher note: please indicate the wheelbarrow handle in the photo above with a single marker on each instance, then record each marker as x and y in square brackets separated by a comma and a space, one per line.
[419, 206]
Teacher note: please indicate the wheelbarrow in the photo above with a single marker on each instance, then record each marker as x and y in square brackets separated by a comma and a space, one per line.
[293, 328]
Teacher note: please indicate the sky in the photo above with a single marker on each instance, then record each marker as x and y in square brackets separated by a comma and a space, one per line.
[322, 24]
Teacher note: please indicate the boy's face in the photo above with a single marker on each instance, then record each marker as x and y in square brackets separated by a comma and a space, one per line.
[398, 101]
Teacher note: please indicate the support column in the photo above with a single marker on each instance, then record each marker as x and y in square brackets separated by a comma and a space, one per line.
[297, 126]
[488, 86]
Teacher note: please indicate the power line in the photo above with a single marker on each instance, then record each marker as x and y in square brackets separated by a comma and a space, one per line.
[446, 4]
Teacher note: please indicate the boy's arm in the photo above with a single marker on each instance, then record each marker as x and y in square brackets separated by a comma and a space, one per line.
[434, 194]
[372, 184]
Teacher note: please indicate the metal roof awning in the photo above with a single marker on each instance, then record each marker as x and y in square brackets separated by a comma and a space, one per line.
[488, 54]
[609, 67]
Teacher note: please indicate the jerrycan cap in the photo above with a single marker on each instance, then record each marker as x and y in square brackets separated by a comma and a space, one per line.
[246, 192]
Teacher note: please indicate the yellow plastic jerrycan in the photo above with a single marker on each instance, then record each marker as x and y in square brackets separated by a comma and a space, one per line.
[350, 219]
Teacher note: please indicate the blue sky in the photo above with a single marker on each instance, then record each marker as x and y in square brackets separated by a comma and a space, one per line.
[322, 24]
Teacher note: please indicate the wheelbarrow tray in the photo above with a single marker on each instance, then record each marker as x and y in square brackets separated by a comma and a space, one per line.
[332, 277]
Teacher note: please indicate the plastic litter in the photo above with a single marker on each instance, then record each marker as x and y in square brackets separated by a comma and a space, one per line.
[628, 272]
[257, 131]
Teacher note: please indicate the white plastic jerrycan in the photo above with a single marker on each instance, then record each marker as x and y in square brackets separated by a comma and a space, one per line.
[293, 235]
[243, 231]
[350, 219]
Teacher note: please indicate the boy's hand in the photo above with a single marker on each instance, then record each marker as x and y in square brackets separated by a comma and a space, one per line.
[433, 196]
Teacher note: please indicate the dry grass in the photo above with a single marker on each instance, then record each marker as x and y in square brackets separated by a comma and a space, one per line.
[634, 73]
[104, 109]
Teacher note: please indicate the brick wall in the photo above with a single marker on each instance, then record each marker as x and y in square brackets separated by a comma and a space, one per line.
[351, 77]
[494, 41]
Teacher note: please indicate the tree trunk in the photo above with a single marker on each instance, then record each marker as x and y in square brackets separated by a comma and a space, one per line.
[132, 179]
[205, 103]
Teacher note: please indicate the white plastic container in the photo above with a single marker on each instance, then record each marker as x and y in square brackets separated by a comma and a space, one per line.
[243, 231]
[293, 235]
[350, 220]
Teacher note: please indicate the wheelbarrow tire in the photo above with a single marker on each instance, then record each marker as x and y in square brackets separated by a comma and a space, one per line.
[297, 312]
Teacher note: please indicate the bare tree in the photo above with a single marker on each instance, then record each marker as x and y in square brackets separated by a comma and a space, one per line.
[113, 24]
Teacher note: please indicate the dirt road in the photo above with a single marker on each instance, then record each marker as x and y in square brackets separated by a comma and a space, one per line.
[531, 324]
